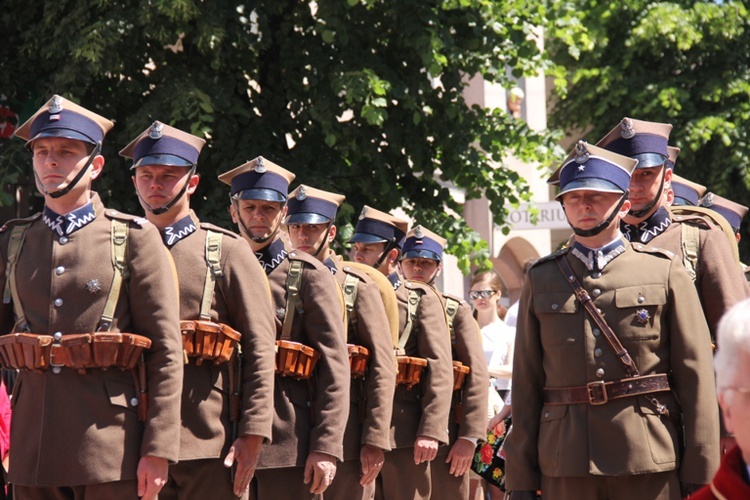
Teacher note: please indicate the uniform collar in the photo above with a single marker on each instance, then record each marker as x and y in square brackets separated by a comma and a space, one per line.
[395, 280]
[648, 229]
[71, 222]
[272, 255]
[330, 263]
[179, 230]
[596, 259]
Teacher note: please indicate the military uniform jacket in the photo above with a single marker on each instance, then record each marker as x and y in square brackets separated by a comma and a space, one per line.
[719, 281]
[241, 300]
[297, 432]
[76, 429]
[371, 397]
[558, 345]
[423, 410]
[473, 395]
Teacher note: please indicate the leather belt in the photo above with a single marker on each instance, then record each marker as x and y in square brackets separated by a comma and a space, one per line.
[598, 393]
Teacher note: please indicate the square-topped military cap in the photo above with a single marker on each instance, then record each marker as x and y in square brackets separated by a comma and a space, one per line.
[374, 226]
[733, 212]
[673, 154]
[308, 205]
[161, 144]
[642, 140]
[591, 168]
[422, 243]
[686, 192]
[259, 179]
[60, 117]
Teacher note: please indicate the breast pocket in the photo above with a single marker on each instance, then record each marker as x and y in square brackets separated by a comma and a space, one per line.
[639, 309]
[556, 312]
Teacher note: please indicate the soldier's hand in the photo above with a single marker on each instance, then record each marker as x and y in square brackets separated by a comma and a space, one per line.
[320, 468]
[245, 452]
[371, 458]
[152, 476]
[460, 456]
[425, 449]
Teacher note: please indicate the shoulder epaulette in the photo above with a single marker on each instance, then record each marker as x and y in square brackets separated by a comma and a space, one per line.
[454, 297]
[304, 257]
[213, 227]
[115, 214]
[354, 272]
[695, 219]
[23, 220]
[417, 285]
[551, 256]
[640, 247]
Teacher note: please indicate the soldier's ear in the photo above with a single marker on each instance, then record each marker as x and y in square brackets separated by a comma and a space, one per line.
[332, 233]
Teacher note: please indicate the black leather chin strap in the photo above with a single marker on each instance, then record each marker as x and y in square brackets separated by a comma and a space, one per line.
[76, 179]
[602, 225]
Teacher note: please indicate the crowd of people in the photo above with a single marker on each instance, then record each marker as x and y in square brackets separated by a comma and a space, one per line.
[163, 356]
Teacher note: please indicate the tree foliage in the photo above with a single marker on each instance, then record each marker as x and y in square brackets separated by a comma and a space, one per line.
[361, 97]
[684, 63]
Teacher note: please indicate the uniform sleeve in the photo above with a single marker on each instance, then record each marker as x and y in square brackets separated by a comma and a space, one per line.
[6, 310]
[693, 378]
[249, 301]
[475, 398]
[721, 281]
[373, 331]
[155, 314]
[324, 329]
[522, 462]
[435, 346]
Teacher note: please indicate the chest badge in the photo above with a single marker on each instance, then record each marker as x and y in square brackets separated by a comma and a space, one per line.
[642, 316]
[93, 286]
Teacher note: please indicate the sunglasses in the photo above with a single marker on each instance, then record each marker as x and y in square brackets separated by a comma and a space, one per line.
[485, 294]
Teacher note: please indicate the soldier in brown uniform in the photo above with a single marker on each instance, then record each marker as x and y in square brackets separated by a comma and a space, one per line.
[720, 284]
[422, 261]
[420, 412]
[311, 226]
[613, 387]
[224, 297]
[310, 406]
[95, 284]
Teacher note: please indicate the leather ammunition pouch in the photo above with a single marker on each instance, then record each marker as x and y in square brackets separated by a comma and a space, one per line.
[209, 341]
[81, 351]
[410, 370]
[295, 360]
[460, 371]
[358, 357]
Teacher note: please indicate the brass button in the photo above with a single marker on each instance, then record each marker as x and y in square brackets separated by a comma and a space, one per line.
[134, 402]
[600, 372]
[59, 270]
[63, 240]
[641, 299]
[58, 302]
[56, 369]
[598, 352]
[596, 332]
[596, 275]
[57, 336]
[596, 292]
[555, 307]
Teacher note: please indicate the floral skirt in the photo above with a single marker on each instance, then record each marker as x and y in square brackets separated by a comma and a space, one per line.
[489, 457]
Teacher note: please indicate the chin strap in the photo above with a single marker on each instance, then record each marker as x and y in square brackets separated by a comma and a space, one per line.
[640, 213]
[165, 208]
[388, 247]
[323, 243]
[602, 225]
[76, 179]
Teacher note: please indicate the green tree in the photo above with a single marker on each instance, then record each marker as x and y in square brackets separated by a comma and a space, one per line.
[684, 63]
[361, 97]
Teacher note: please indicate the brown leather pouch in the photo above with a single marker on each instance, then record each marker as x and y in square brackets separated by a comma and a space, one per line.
[78, 350]
[460, 371]
[410, 370]
[226, 343]
[358, 357]
[130, 350]
[295, 360]
[29, 351]
[105, 347]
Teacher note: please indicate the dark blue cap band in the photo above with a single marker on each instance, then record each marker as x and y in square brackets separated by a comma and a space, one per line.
[260, 183]
[685, 192]
[367, 228]
[425, 247]
[639, 144]
[594, 169]
[66, 124]
[734, 219]
[167, 149]
[312, 206]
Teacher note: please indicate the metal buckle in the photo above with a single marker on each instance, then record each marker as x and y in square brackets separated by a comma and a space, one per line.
[55, 348]
[591, 390]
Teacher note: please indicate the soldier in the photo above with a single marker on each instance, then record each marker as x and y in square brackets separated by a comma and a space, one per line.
[227, 393]
[87, 289]
[733, 213]
[422, 261]
[311, 225]
[611, 371]
[719, 284]
[311, 401]
[686, 192]
[420, 407]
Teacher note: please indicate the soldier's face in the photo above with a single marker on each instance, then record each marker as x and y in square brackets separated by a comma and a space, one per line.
[159, 184]
[645, 184]
[261, 218]
[57, 161]
[418, 269]
[368, 253]
[587, 209]
[309, 237]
